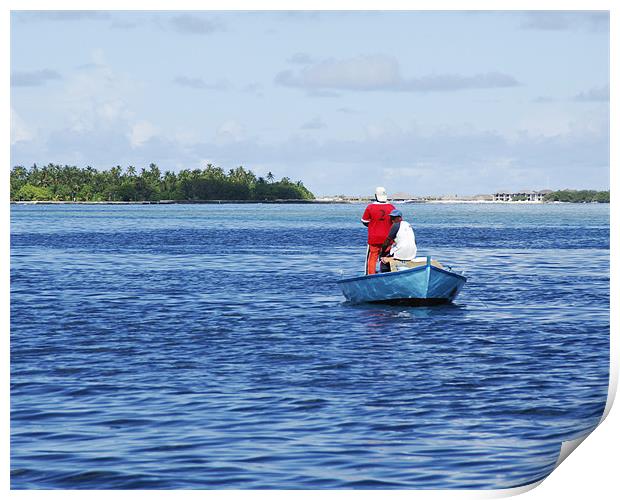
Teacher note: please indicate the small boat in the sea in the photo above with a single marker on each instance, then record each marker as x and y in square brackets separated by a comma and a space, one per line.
[426, 283]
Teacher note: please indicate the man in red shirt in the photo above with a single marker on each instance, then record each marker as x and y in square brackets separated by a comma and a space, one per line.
[377, 219]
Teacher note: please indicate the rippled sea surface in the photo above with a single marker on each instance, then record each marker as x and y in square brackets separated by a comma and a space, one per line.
[208, 346]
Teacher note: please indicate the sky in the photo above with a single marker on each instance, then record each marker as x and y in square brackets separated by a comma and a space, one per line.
[421, 102]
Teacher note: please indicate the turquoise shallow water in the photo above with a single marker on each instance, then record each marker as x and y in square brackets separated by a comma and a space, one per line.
[208, 346]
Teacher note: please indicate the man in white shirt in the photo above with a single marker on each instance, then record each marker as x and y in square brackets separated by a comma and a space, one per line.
[402, 239]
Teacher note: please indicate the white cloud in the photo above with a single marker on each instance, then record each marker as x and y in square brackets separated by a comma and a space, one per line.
[374, 132]
[96, 98]
[98, 57]
[558, 121]
[387, 131]
[429, 161]
[33, 78]
[141, 132]
[229, 131]
[199, 83]
[594, 21]
[300, 58]
[379, 72]
[195, 24]
[360, 73]
[186, 137]
[315, 124]
[544, 123]
[253, 88]
[597, 94]
[62, 15]
[322, 93]
[542, 99]
[19, 130]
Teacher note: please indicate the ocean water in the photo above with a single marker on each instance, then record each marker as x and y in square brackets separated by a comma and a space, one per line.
[208, 346]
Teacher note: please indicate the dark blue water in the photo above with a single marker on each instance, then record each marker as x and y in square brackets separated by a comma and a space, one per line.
[206, 346]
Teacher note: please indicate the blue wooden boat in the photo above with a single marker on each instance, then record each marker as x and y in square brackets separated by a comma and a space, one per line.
[426, 284]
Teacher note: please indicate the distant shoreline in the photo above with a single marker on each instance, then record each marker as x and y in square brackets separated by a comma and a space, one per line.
[295, 202]
[183, 202]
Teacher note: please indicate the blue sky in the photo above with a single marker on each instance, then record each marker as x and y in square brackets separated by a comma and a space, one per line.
[421, 102]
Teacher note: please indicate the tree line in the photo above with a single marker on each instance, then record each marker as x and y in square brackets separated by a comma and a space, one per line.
[578, 196]
[71, 183]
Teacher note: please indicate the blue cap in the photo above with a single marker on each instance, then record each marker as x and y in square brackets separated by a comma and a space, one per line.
[396, 213]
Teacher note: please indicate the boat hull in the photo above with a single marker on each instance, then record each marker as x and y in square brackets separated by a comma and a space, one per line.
[420, 286]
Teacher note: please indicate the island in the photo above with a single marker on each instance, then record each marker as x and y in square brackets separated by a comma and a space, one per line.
[73, 184]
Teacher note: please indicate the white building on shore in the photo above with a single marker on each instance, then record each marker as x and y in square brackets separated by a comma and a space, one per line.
[524, 195]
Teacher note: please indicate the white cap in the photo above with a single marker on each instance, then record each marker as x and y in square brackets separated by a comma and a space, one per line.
[381, 194]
